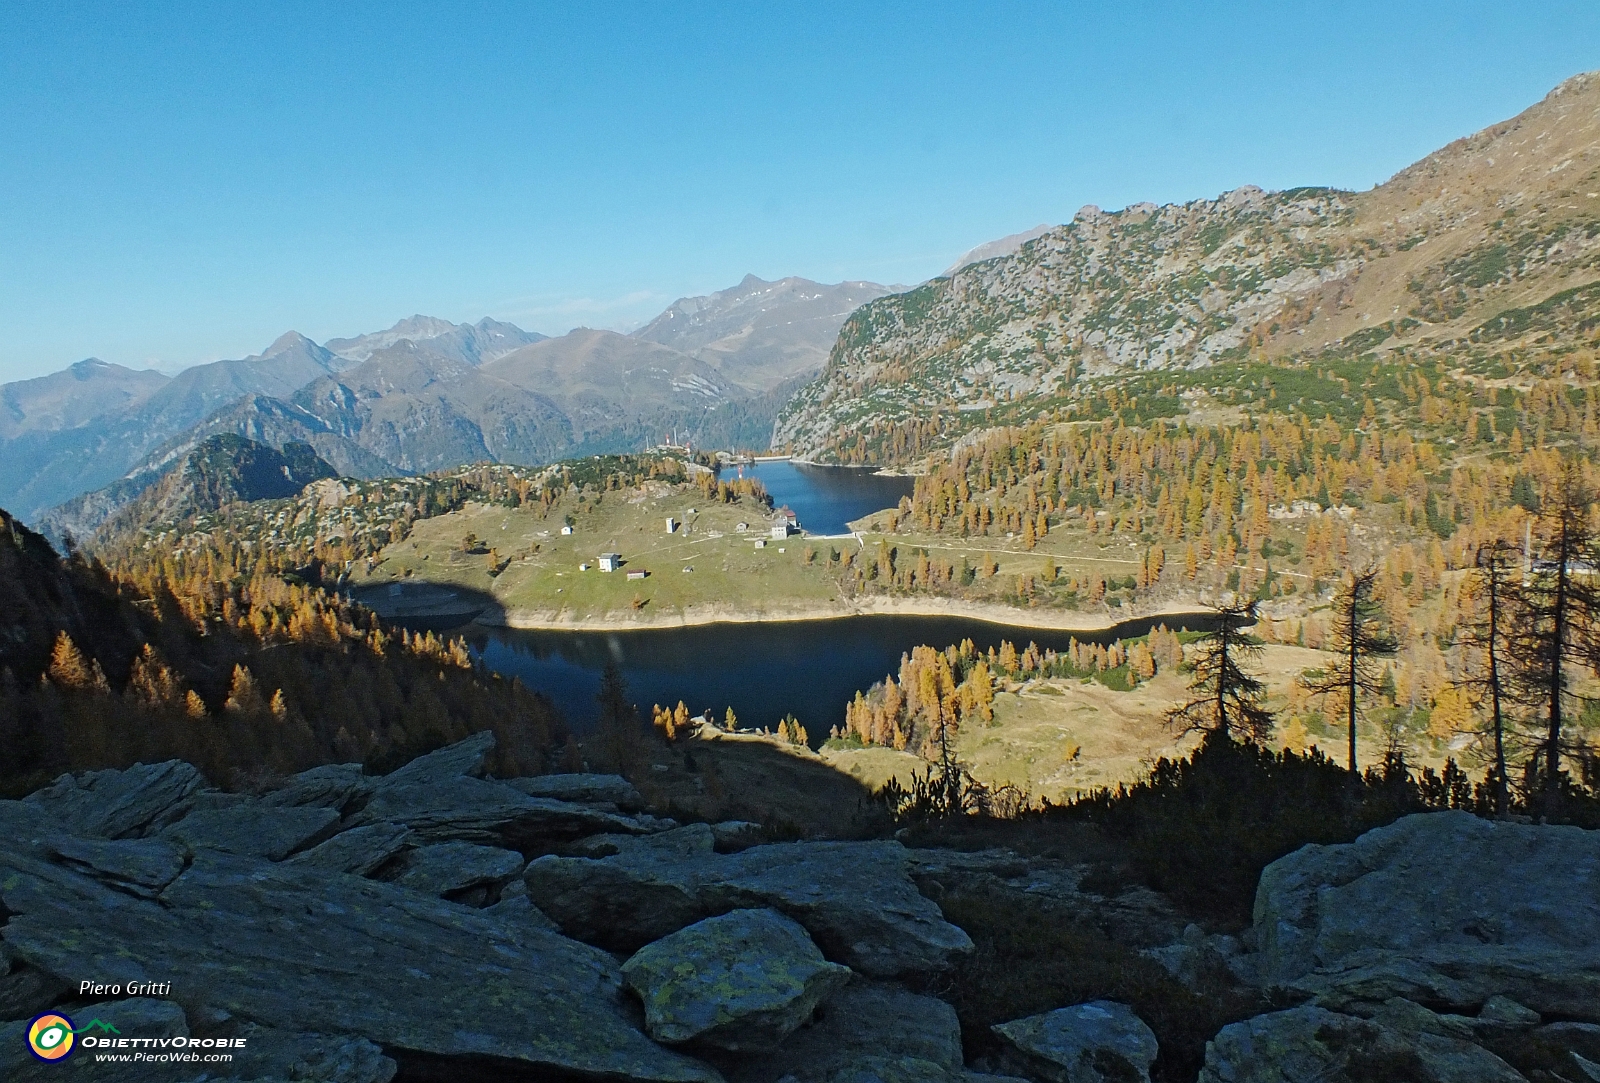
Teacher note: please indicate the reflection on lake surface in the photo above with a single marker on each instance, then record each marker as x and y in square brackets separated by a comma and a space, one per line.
[826, 498]
[763, 671]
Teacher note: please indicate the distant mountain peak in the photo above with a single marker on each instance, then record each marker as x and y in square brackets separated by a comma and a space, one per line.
[472, 343]
[289, 340]
[89, 367]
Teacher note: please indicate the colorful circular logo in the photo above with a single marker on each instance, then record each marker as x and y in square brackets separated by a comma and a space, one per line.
[50, 1036]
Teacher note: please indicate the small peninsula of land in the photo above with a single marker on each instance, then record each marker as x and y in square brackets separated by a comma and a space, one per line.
[686, 560]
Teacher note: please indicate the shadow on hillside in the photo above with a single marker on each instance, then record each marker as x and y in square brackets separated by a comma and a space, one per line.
[792, 791]
[429, 607]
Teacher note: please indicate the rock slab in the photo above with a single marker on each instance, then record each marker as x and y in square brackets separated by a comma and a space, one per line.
[287, 947]
[1411, 910]
[448, 868]
[866, 1031]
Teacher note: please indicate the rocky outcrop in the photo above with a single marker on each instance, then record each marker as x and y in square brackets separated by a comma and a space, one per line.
[118, 804]
[857, 900]
[606, 791]
[1444, 909]
[744, 980]
[145, 876]
[344, 924]
[465, 809]
[270, 832]
[1432, 949]
[356, 956]
[358, 851]
[1098, 1042]
[337, 786]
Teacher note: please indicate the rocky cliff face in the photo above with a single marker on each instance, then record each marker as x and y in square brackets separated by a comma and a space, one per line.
[1499, 222]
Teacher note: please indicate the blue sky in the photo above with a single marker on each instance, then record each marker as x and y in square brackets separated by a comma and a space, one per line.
[183, 183]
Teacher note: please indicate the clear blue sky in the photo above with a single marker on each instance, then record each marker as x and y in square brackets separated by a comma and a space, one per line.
[183, 183]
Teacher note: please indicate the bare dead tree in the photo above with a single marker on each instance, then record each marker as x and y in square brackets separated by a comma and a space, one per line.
[1496, 565]
[1360, 635]
[1557, 630]
[1227, 697]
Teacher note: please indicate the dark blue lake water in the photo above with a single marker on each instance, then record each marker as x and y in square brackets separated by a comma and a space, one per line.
[762, 671]
[826, 498]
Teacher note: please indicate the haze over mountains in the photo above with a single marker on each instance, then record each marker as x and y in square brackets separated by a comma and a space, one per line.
[426, 394]
[1490, 242]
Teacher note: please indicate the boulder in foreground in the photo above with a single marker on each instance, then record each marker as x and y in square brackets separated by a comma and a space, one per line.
[1098, 1042]
[1442, 908]
[744, 980]
[1312, 1045]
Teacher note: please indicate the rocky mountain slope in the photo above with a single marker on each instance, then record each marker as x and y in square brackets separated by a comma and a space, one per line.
[1005, 246]
[760, 334]
[220, 470]
[1506, 219]
[427, 394]
[43, 467]
[73, 397]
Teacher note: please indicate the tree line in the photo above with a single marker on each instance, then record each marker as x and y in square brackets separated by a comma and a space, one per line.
[230, 666]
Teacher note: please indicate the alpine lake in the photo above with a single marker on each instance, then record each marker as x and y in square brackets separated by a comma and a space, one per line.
[809, 668]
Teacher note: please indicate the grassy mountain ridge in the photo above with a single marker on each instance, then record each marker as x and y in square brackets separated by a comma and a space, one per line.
[1498, 222]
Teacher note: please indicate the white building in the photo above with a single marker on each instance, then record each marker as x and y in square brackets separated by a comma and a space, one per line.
[672, 524]
[610, 562]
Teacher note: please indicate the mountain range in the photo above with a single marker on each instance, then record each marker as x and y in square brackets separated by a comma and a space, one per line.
[1486, 248]
[427, 394]
[1455, 253]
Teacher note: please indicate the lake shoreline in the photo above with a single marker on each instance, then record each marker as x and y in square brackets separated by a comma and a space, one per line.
[712, 614]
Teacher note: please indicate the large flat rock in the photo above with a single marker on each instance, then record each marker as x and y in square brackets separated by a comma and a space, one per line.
[297, 949]
[1098, 1042]
[357, 851]
[866, 1031]
[449, 868]
[1443, 908]
[587, 789]
[459, 808]
[335, 785]
[269, 831]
